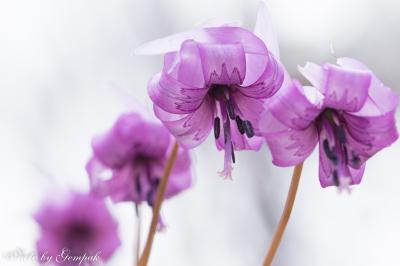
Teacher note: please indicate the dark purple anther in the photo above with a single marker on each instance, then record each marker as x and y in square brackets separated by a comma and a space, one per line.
[152, 191]
[240, 126]
[217, 127]
[335, 178]
[248, 127]
[226, 132]
[355, 159]
[233, 154]
[346, 156]
[230, 109]
[341, 134]
[150, 198]
[329, 153]
[138, 186]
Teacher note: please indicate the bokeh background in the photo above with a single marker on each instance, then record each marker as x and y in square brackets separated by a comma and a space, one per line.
[67, 69]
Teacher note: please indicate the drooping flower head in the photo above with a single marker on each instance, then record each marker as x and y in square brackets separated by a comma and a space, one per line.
[129, 160]
[216, 78]
[347, 110]
[76, 227]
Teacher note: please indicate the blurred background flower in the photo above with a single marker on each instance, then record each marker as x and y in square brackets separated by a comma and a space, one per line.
[67, 70]
[78, 230]
[129, 160]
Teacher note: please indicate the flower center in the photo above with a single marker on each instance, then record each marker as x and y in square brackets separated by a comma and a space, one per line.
[227, 112]
[145, 183]
[334, 140]
[79, 235]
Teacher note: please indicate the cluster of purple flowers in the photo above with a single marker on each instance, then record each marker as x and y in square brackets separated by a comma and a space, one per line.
[228, 80]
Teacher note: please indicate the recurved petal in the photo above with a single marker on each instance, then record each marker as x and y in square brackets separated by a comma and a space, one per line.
[265, 31]
[368, 135]
[381, 99]
[115, 147]
[190, 68]
[192, 129]
[230, 35]
[170, 43]
[212, 35]
[373, 127]
[223, 63]
[173, 96]
[296, 106]
[288, 146]
[314, 74]
[266, 83]
[345, 88]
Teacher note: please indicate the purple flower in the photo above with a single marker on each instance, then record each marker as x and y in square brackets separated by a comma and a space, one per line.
[77, 228]
[216, 78]
[129, 160]
[349, 111]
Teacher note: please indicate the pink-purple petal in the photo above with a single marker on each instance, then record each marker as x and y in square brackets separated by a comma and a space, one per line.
[211, 35]
[190, 70]
[346, 89]
[116, 146]
[173, 96]
[192, 129]
[288, 146]
[223, 63]
[265, 84]
[368, 135]
[264, 29]
[292, 107]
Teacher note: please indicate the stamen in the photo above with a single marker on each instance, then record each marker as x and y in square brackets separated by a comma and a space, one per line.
[240, 126]
[138, 186]
[335, 178]
[355, 159]
[329, 153]
[233, 154]
[217, 91]
[230, 109]
[149, 198]
[152, 191]
[217, 127]
[226, 125]
[341, 134]
[346, 156]
[156, 182]
[248, 127]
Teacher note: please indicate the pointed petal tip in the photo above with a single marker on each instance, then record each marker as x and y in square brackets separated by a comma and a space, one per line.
[264, 29]
[302, 69]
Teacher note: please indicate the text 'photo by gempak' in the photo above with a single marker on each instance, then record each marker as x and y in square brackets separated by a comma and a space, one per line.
[199, 133]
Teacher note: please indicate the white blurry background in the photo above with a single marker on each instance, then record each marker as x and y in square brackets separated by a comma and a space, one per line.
[67, 70]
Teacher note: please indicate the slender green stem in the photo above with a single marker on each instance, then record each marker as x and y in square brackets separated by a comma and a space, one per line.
[285, 215]
[157, 206]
